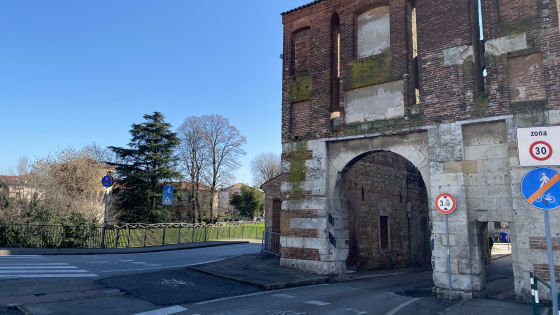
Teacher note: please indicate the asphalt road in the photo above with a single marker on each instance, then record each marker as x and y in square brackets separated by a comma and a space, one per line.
[159, 283]
[101, 266]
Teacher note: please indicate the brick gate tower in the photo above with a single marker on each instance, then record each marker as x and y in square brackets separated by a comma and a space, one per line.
[385, 105]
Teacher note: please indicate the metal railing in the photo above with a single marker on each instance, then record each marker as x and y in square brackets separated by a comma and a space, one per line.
[535, 293]
[123, 236]
[270, 242]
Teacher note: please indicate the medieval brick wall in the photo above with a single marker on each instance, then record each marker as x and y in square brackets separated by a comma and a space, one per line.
[424, 96]
[385, 184]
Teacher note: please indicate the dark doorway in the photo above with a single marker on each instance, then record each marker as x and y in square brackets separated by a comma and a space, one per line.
[387, 213]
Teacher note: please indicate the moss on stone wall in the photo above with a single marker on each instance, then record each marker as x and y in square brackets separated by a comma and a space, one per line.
[371, 70]
[300, 88]
[298, 170]
[528, 106]
[520, 25]
[381, 125]
[480, 104]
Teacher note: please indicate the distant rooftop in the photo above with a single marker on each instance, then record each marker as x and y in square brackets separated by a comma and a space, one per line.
[301, 7]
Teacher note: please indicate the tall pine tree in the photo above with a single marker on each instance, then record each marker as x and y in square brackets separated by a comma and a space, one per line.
[143, 168]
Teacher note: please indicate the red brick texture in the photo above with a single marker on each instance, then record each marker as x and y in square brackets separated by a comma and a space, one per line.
[540, 243]
[447, 93]
[301, 253]
[541, 270]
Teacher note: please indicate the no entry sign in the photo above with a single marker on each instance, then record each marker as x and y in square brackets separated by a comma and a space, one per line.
[538, 146]
[445, 203]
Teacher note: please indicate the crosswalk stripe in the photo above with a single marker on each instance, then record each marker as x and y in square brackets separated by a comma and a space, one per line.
[43, 264]
[38, 267]
[46, 275]
[10, 269]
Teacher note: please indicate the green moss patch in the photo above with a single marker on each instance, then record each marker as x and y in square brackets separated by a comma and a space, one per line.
[298, 170]
[520, 25]
[371, 70]
[300, 88]
[527, 106]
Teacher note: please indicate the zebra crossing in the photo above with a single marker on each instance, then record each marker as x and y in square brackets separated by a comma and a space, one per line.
[38, 266]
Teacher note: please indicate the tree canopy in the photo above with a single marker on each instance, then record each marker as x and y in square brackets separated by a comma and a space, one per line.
[143, 167]
[249, 202]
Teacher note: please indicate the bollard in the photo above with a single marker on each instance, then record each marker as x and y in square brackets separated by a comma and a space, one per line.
[534, 295]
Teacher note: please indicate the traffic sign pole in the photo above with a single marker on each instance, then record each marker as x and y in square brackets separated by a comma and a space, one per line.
[446, 204]
[104, 218]
[164, 226]
[553, 289]
[448, 255]
[106, 181]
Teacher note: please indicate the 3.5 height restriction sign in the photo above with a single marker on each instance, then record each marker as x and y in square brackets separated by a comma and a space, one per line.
[538, 146]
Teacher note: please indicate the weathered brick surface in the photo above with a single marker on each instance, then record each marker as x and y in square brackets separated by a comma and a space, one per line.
[384, 184]
[540, 243]
[447, 93]
[301, 253]
[313, 233]
[541, 270]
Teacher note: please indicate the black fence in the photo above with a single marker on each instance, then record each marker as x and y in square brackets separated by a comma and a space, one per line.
[123, 236]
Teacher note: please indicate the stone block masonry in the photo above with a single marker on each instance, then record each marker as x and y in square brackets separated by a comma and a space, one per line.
[385, 106]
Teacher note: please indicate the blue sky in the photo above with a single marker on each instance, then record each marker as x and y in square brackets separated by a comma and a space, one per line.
[77, 72]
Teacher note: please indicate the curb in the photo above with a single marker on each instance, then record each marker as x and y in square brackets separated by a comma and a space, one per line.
[97, 251]
[268, 287]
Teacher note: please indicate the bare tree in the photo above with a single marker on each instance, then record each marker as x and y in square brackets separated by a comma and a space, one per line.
[265, 166]
[224, 143]
[193, 155]
[70, 182]
[23, 165]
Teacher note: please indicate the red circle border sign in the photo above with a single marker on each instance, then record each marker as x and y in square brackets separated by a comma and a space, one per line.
[548, 146]
[452, 199]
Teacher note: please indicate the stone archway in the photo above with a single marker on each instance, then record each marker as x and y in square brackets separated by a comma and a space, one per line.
[386, 203]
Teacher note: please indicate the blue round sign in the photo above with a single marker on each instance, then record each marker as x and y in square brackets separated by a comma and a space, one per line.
[541, 188]
[107, 181]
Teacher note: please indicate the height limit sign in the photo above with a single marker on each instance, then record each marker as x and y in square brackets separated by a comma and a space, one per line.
[538, 146]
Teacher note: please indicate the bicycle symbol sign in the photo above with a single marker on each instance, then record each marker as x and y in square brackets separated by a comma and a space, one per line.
[445, 203]
[541, 189]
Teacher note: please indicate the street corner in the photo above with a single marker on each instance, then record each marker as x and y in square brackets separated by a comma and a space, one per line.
[10, 310]
[178, 286]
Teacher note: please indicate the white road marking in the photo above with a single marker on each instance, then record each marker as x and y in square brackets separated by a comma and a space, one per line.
[403, 305]
[42, 264]
[42, 270]
[355, 311]
[315, 302]
[165, 311]
[38, 267]
[42, 275]
[169, 267]
[257, 293]
[14, 270]
[286, 296]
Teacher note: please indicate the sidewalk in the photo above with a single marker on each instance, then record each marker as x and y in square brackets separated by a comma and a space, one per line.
[265, 271]
[95, 251]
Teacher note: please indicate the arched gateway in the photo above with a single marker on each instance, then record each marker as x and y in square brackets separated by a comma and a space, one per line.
[386, 202]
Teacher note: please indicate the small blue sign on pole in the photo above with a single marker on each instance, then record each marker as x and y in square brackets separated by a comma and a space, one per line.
[167, 195]
[107, 181]
[541, 188]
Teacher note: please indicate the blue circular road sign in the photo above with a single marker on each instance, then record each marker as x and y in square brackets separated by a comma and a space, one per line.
[541, 188]
[107, 181]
